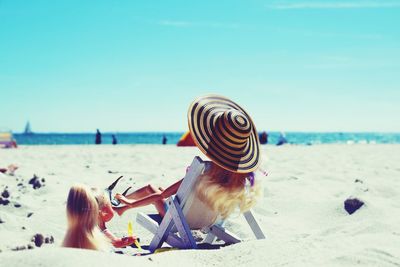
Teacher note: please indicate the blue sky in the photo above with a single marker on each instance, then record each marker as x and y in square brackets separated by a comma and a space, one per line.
[74, 66]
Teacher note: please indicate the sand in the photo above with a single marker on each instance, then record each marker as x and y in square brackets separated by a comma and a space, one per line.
[301, 211]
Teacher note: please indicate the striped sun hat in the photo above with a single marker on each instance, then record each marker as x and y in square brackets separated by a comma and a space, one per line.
[224, 132]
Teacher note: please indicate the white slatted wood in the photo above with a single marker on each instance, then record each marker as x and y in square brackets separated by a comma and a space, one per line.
[224, 234]
[254, 225]
[180, 222]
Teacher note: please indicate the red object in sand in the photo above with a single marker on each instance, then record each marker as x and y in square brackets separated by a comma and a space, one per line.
[186, 140]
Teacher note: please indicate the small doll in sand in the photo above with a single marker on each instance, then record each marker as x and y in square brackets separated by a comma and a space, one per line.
[83, 218]
[106, 213]
[224, 132]
[87, 212]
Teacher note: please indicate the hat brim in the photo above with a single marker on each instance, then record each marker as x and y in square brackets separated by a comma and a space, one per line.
[201, 115]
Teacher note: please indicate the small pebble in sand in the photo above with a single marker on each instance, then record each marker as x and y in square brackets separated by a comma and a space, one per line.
[358, 181]
[37, 185]
[29, 214]
[17, 205]
[4, 202]
[33, 179]
[35, 182]
[18, 248]
[38, 239]
[1, 221]
[30, 246]
[5, 194]
[351, 205]
[197, 235]
[49, 240]
[23, 228]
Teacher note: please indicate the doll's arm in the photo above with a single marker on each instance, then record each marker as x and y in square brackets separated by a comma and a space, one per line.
[171, 190]
[119, 242]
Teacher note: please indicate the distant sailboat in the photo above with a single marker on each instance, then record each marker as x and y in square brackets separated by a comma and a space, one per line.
[28, 129]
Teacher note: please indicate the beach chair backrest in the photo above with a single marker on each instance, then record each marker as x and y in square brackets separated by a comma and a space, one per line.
[197, 214]
[195, 170]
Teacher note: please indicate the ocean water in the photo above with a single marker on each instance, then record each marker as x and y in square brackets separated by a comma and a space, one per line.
[301, 138]
[89, 138]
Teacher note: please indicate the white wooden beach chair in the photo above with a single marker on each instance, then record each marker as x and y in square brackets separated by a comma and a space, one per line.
[186, 213]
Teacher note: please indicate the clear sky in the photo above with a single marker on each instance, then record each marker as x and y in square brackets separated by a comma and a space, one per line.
[75, 65]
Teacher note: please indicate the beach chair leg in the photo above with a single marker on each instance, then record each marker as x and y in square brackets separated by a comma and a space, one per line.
[223, 234]
[147, 222]
[254, 225]
[162, 232]
[181, 224]
[152, 226]
[210, 238]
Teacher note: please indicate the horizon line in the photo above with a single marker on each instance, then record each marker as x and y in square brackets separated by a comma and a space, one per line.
[181, 132]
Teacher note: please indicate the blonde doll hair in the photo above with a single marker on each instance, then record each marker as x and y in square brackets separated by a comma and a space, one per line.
[101, 197]
[82, 215]
[223, 191]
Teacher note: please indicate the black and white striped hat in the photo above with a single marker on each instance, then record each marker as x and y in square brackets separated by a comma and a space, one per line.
[224, 132]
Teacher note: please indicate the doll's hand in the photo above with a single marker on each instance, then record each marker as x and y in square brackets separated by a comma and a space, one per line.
[124, 242]
[121, 198]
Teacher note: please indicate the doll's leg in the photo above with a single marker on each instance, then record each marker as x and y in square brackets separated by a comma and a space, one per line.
[141, 193]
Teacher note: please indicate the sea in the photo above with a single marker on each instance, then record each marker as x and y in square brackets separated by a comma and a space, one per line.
[300, 138]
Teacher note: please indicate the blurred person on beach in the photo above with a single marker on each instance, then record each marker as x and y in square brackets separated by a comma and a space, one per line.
[164, 140]
[263, 138]
[233, 147]
[282, 139]
[98, 137]
[114, 139]
[83, 220]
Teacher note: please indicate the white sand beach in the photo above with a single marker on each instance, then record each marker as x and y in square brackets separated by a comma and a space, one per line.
[301, 211]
